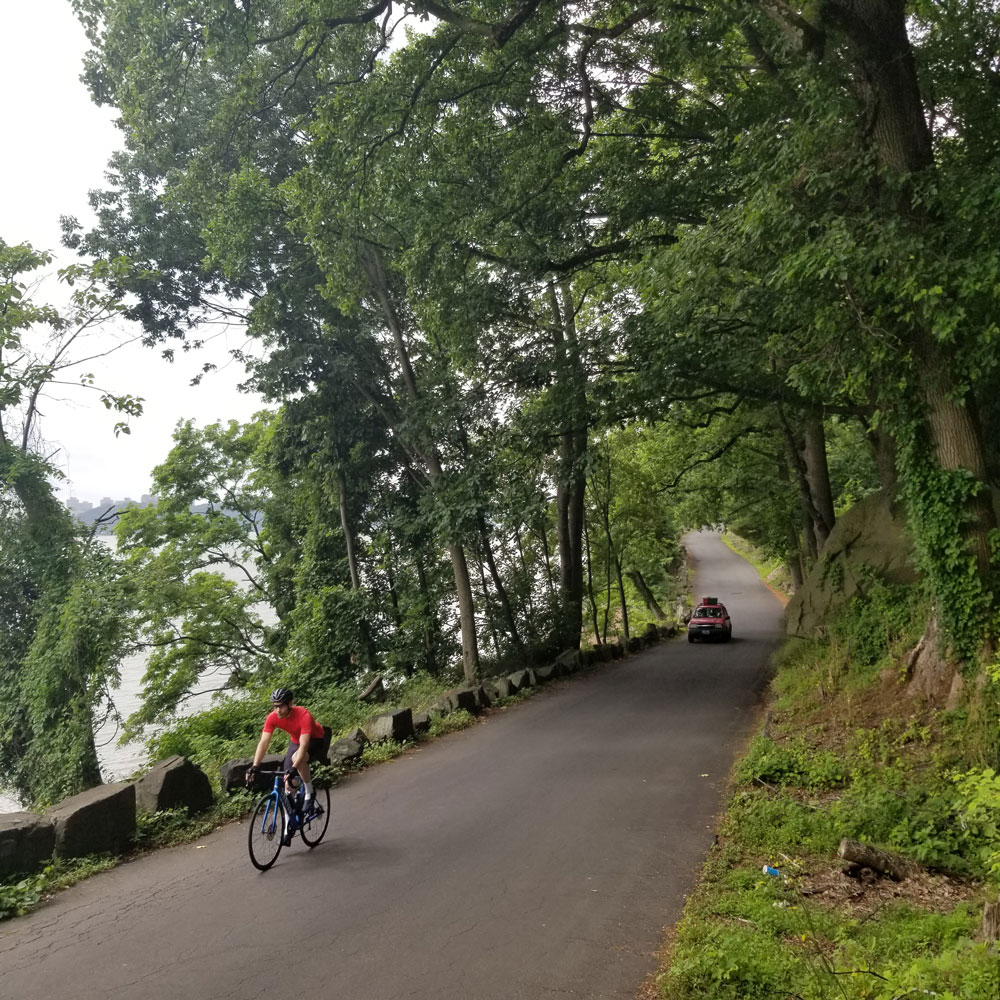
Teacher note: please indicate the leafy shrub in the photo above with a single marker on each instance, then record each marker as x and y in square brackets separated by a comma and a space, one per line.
[978, 811]
[19, 897]
[886, 614]
[169, 826]
[768, 823]
[459, 719]
[793, 763]
[378, 753]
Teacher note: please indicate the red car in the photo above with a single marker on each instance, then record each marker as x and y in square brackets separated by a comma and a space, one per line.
[710, 620]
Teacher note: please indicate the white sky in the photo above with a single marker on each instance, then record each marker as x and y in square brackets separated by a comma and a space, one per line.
[57, 144]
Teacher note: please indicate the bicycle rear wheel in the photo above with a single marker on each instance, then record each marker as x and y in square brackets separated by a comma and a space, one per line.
[267, 830]
[314, 829]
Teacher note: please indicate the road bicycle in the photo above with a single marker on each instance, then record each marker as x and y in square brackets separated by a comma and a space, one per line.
[278, 816]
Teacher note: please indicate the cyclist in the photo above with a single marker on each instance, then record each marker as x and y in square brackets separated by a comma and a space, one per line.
[306, 735]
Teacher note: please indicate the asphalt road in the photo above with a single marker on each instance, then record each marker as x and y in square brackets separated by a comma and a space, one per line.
[539, 854]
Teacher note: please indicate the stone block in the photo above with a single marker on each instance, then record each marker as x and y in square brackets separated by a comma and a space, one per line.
[503, 688]
[345, 751]
[396, 725]
[422, 722]
[100, 820]
[568, 660]
[27, 841]
[232, 774]
[174, 783]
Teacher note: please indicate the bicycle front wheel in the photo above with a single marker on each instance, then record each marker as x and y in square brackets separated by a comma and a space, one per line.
[313, 826]
[267, 830]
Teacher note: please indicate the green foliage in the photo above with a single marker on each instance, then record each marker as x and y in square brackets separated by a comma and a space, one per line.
[223, 732]
[379, 753]
[878, 621]
[450, 723]
[794, 763]
[17, 898]
[169, 826]
[978, 812]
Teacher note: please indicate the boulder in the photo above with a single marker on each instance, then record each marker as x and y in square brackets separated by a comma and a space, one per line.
[588, 657]
[359, 736]
[568, 660]
[617, 650]
[521, 679]
[100, 820]
[518, 681]
[27, 841]
[464, 698]
[543, 674]
[634, 643]
[604, 651]
[442, 706]
[867, 541]
[345, 751]
[174, 783]
[486, 693]
[503, 688]
[232, 774]
[396, 725]
[651, 634]
[422, 722]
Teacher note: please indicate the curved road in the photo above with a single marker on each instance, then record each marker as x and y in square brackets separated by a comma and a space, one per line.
[537, 855]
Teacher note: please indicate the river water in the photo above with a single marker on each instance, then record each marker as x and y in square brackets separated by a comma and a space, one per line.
[119, 762]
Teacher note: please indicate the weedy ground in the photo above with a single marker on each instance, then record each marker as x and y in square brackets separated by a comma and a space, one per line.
[843, 751]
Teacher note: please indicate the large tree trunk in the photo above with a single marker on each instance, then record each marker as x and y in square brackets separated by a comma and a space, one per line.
[817, 473]
[571, 474]
[895, 125]
[884, 449]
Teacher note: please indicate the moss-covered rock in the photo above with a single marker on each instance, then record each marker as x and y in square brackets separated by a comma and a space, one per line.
[868, 541]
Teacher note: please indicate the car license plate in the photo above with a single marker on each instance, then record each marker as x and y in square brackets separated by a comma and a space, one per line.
[706, 631]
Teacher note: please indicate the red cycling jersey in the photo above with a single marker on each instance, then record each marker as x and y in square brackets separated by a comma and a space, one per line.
[297, 723]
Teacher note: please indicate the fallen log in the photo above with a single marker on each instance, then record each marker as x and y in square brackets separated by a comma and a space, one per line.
[865, 856]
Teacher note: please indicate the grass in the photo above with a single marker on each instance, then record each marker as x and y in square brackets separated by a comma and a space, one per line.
[771, 569]
[844, 752]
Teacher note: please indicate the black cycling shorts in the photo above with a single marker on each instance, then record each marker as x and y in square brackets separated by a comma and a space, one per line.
[317, 750]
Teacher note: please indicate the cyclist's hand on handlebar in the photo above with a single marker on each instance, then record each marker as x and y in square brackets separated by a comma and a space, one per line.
[251, 773]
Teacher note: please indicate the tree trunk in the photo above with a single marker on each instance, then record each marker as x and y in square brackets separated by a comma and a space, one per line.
[501, 591]
[488, 604]
[796, 465]
[621, 595]
[466, 612]
[590, 586]
[430, 619]
[345, 524]
[817, 475]
[647, 595]
[896, 127]
[570, 383]
[884, 448]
